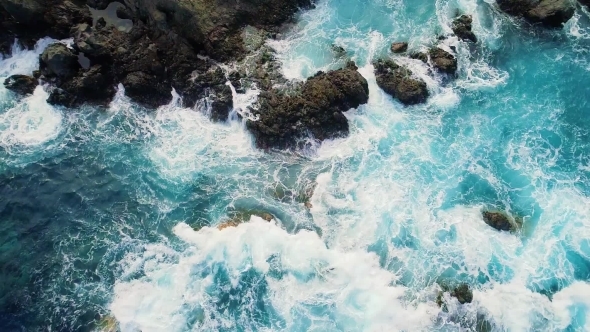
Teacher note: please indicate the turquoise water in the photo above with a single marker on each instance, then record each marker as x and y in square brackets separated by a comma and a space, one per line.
[99, 207]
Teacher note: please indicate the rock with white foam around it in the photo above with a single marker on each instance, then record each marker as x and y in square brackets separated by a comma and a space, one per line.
[21, 84]
[501, 221]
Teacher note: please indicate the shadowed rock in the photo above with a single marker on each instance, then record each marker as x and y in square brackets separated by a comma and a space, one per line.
[551, 13]
[400, 83]
[315, 108]
[59, 61]
[21, 84]
[462, 28]
[462, 293]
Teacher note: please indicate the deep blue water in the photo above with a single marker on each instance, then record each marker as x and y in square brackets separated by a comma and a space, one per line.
[105, 214]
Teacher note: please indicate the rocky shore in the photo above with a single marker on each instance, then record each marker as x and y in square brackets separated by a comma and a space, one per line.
[154, 46]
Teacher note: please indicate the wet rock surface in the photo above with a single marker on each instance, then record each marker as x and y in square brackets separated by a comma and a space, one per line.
[399, 47]
[442, 60]
[171, 44]
[21, 84]
[462, 27]
[400, 83]
[500, 221]
[315, 108]
[550, 13]
[463, 294]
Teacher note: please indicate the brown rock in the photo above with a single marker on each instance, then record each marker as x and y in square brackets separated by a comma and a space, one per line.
[399, 47]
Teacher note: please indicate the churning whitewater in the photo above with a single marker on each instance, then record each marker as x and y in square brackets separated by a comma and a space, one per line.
[110, 215]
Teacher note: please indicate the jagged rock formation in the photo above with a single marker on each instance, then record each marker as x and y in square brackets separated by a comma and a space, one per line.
[315, 108]
[172, 44]
[400, 83]
[462, 27]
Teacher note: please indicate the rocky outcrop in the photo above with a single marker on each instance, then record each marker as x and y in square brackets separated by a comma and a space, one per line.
[21, 84]
[58, 61]
[315, 108]
[29, 20]
[171, 44]
[500, 221]
[400, 83]
[551, 13]
[462, 27]
[399, 47]
[442, 60]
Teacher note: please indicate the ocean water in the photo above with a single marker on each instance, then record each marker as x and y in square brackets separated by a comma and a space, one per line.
[111, 214]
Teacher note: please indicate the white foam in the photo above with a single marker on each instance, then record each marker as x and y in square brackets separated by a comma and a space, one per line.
[351, 283]
[30, 122]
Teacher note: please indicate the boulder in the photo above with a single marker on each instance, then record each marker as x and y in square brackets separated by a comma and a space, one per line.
[462, 28]
[57, 60]
[400, 83]
[21, 84]
[399, 47]
[499, 220]
[442, 60]
[315, 108]
[550, 13]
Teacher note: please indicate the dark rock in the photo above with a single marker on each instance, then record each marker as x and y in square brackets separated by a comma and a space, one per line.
[499, 221]
[146, 89]
[316, 108]
[33, 19]
[462, 28]
[25, 11]
[222, 103]
[550, 13]
[399, 47]
[420, 56]
[58, 60]
[463, 294]
[443, 60]
[21, 84]
[168, 46]
[62, 98]
[400, 83]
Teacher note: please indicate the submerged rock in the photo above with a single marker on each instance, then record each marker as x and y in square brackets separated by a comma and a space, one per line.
[315, 108]
[462, 293]
[551, 13]
[399, 47]
[400, 83]
[339, 51]
[241, 216]
[21, 84]
[442, 60]
[500, 221]
[462, 28]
